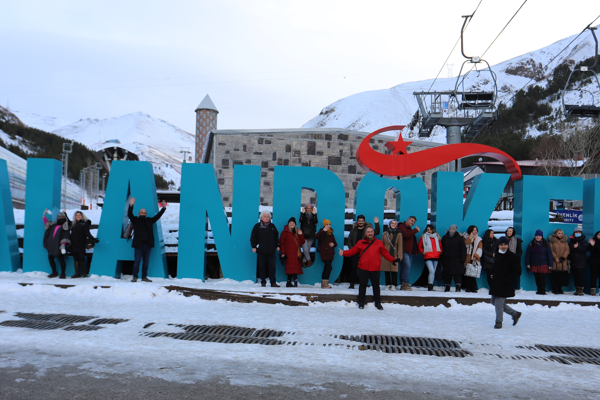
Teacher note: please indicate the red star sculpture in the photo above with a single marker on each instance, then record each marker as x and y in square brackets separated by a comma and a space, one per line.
[398, 147]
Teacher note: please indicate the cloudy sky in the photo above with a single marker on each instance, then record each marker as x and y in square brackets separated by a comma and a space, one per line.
[265, 63]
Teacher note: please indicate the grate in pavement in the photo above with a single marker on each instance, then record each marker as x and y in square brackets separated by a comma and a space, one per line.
[584, 352]
[102, 321]
[231, 330]
[214, 338]
[59, 321]
[403, 341]
[560, 359]
[33, 324]
[427, 351]
[83, 328]
[59, 318]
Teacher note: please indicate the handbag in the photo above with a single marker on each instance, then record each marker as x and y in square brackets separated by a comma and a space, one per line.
[473, 269]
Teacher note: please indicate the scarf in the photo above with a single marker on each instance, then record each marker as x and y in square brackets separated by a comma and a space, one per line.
[474, 244]
[427, 248]
[512, 245]
[392, 240]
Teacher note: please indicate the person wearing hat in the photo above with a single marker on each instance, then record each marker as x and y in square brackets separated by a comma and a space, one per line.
[506, 269]
[453, 257]
[539, 260]
[578, 248]
[56, 238]
[291, 241]
[327, 245]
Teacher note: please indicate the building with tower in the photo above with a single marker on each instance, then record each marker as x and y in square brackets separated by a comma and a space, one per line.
[206, 122]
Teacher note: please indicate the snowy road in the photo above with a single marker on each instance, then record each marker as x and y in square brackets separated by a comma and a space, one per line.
[121, 353]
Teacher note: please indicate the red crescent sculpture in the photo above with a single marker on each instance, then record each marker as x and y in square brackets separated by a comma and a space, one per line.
[400, 163]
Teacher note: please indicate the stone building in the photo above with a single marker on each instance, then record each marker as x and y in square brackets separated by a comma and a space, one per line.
[330, 148]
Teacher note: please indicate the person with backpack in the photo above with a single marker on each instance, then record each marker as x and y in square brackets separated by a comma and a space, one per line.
[143, 238]
[80, 239]
[291, 242]
[369, 251]
[327, 245]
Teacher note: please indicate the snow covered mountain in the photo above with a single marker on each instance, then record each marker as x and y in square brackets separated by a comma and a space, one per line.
[46, 124]
[369, 111]
[152, 139]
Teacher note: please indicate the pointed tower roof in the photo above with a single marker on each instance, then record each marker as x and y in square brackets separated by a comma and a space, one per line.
[207, 104]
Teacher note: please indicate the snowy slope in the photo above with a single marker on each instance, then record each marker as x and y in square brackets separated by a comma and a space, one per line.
[369, 111]
[152, 139]
[46, 124]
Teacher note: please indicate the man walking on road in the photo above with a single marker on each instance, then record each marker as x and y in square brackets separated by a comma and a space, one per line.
[369, 251]
[264, 240]
[143, 238]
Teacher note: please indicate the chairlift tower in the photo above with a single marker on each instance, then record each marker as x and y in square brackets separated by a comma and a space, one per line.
[458, 110]
[67, 149]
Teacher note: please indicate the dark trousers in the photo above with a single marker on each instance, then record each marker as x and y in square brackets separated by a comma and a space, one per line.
[61, 261]
[540, 282]
[354, 269]
[144, 253]
[326, 270]
[448, 278]
[266, 266]
[578, 274]
[80, 264]
[557, 280]
[469, 284]
[488, 272]
[595, 269]
[292, 277]
[391, 278]
[363, 280]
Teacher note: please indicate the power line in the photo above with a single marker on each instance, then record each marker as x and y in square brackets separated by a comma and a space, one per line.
[509, 21]
[455, 44]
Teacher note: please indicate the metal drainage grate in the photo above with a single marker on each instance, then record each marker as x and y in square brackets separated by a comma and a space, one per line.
[403, 341]
[231, 330]
[59, 318]
[113, 321]
[83, 328]
[214, 338]
[584, 352]
[426, 351]
[560, 359]
[42, 325]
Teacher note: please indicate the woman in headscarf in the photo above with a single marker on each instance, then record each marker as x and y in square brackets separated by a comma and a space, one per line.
[431, 248]
[538, 259]
[453, 257]
[326, 248]
[474, 246]
[393, 242]
[514, 243]
[489, 247]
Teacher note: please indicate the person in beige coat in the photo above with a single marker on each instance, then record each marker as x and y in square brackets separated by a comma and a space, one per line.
[474, 246]
[559, 243]
[393, 242]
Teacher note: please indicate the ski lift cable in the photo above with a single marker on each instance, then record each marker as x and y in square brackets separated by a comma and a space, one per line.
[452, 51]
[550, 62]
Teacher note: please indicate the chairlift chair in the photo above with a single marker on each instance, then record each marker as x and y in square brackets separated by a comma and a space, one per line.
[589, 110]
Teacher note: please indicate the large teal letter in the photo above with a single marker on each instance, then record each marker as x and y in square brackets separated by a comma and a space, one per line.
[201, 200]
[447, 206]
[43, 191]
[591, 213]
[135, 178]
[331, 205]
[9, 247]
[532, 201]
[412, 201]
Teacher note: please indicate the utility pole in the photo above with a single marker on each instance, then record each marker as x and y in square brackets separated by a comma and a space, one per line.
[185, 151]
[104, 182]
[97, 169]
[67, 149]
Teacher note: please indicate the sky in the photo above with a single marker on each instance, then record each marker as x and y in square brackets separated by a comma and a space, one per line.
[265, 63]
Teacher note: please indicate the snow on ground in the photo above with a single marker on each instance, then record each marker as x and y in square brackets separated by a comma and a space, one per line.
[120, 348]
[44, 123]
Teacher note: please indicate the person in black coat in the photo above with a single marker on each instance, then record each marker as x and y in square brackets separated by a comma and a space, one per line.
[264, 240]
[454, 255]
[490, 245]
[56, 238]
[143, 238]
[80, 237]
[506, 269]
[578, 248]
[308, 226]
[594, 261]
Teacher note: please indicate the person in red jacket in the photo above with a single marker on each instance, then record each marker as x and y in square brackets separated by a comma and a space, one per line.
[410, 249]
[431, 247]
[370, 251]
[291, 241]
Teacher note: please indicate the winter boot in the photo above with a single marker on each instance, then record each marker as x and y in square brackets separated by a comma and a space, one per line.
[264, 284]
[77, 273]
[325, 284]
[447, 288]
[361, 306]
[85, 270]
[146, 280]
[274, 284]
[406, 286]
[352, 287]
[498, 325]
[54, 274]
[379, 306]
[579, 291]
[289, 283]
[134, 280]
[430, 288]
[295, 282]
[458, 290]
[593, 291]
[516, 318]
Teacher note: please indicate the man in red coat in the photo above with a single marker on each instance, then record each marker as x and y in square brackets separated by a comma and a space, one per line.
[370, 251]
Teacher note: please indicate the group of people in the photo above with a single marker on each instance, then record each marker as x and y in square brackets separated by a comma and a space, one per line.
[64, 236]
